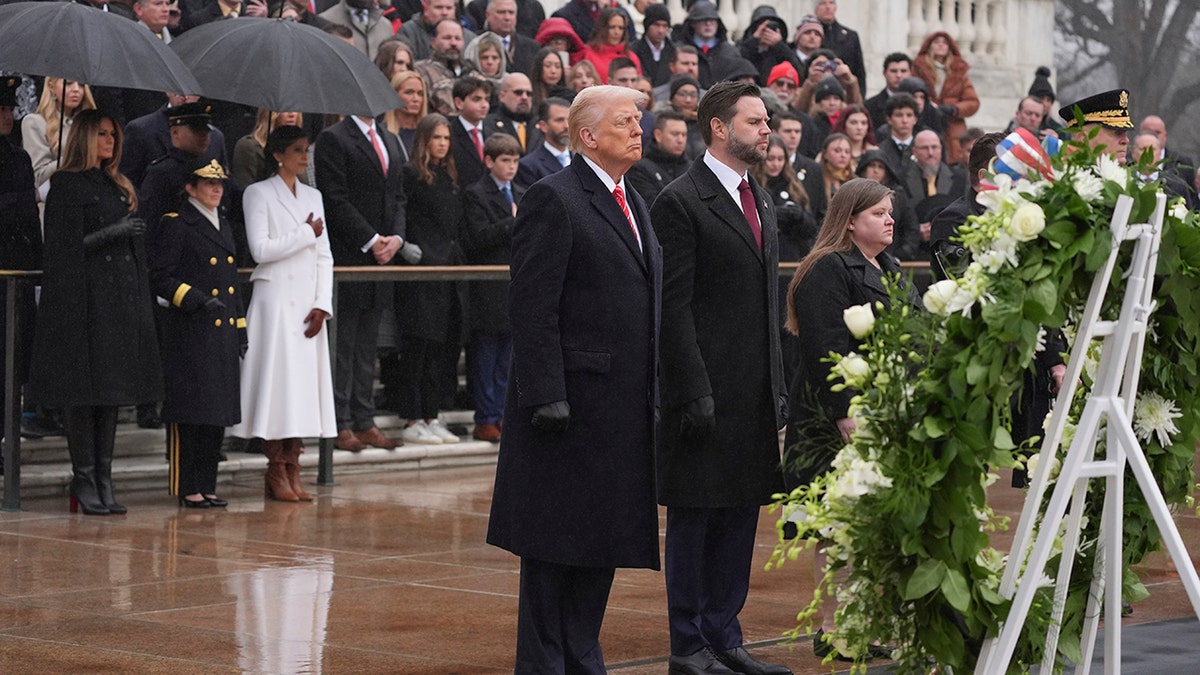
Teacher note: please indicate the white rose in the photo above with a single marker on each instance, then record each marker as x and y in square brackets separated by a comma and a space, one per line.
[856, 366]
[938, 296]
[859, 319]
[1027, 222]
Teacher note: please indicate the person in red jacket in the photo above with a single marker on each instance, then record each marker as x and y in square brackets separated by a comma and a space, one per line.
[610, 40]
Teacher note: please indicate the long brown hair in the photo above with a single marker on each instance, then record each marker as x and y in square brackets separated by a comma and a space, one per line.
[600, 29]
[794, 188]
[854, 197]
[82, 153]
[421, 159]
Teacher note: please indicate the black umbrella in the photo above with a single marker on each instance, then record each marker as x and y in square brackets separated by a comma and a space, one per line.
[82, 44]
[284, 66]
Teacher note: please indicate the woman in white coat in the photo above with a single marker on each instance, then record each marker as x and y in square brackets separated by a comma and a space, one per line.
[287, 388]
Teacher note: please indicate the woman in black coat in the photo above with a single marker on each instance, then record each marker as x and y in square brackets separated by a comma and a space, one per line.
[845, 268]
[428, 314]
[94, 347]
[194, 268]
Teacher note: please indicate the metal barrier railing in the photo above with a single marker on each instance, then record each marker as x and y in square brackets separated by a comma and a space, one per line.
[15, 280]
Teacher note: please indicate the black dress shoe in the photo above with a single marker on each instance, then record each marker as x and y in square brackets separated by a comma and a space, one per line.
[187, 503]
[217, 502]
[739, 661]
[703, 662]
[821, 648]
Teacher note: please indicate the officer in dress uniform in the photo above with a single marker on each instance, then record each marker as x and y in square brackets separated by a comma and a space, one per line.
[194, 267]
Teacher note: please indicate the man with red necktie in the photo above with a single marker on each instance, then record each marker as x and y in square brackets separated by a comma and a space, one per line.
[723, 394]
[584, 301]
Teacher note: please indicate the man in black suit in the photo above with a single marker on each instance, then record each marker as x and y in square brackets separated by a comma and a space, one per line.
[530, 15]
[149, 137]
[514, 115]
[896, 67]
[841, 40]
[467, 129]
[553, 155]
[930, 181]
[358, 169]
[902, 112]
[501, 19]
[584, 302]
[724, 398]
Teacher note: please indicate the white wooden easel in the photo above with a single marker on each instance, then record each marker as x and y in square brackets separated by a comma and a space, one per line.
[1111, 400]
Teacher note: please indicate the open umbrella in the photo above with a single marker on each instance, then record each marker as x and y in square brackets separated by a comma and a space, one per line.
[82, 44]
[284, 65]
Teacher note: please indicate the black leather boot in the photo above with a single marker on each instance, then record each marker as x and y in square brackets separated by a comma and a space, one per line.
[106, 436]
[81, 445]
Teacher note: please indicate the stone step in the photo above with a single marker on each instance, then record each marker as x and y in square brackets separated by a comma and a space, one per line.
[139, 461]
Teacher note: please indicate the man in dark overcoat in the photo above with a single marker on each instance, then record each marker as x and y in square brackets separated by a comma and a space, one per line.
[574, 495]
[358, 168]
[722, 381]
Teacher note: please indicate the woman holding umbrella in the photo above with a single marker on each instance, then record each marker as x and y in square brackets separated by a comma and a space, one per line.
[41, 131]
[287, 388]
[94, 343]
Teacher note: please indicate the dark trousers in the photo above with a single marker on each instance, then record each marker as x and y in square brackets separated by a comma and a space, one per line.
[559, 614]
[424, 365]
[354, 372]
[708, 557]
[493, 353]
[194, 451]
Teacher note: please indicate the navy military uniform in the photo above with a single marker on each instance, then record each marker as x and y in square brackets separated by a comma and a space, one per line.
[194, 263]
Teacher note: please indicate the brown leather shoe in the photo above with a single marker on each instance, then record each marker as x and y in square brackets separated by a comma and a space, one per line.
[487, 432]
[375, 437]
[346, 440]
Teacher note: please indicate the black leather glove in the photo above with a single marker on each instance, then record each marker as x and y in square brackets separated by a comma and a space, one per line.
[699, 420]
[790, 217]
[122, 229]
[552, 418]
[214, 305]
[948, 110]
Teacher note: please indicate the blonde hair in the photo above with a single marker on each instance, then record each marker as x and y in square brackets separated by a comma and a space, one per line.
[269, 119]
[854, 197]
[591, 104]
[391, 119]
[82, 152]
[49, 107]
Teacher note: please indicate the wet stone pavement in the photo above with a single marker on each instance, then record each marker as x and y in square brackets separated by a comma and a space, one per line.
[386, 572]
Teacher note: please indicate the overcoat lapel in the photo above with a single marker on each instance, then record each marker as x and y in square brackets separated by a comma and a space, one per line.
[721, 204]
[604, 202]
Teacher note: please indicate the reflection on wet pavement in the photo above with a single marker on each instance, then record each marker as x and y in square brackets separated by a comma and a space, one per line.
[385, 573]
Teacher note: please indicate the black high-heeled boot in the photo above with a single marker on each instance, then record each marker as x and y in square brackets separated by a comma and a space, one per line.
[106, 436]
[80, 445]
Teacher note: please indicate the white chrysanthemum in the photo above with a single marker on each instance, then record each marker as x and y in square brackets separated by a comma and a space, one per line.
[1036, 188]
[1088, 185]
[1111, 169]
[1155, 415]
[991, 261]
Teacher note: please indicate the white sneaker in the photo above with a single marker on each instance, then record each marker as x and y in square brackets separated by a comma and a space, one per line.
[438, 429]
[420, 433]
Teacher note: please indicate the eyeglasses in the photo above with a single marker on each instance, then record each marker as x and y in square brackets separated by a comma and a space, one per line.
[783, 84]
[687, 94]
[521, 92]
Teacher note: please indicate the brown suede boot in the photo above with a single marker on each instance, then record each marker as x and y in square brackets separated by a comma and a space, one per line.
[292, 448]
[278, 486]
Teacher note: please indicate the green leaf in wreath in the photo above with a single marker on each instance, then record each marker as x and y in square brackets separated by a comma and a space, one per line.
[924, 579]
[954, 587]
[935, 427]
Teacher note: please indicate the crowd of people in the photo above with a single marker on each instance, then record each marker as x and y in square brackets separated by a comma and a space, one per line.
[643, 185]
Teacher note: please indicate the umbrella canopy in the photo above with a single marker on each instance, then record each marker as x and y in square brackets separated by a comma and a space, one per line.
[82, 44]
[284, 66]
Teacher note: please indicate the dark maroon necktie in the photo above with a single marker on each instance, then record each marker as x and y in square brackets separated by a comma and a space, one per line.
[751, 210]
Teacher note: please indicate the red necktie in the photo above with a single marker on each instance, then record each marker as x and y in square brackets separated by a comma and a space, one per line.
[620, 196]
[705, 49]
[751, 211]
[478, 142]
[378, 149]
